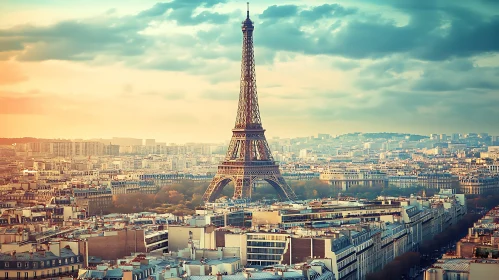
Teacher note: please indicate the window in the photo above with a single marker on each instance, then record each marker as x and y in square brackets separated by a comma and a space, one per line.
[6, 275]
[34, 274]
[72, 260]
[66, 261]
[6, 264]
[19, 264]
[35, 265]
[60, 261]
[26, 264]
[53, 262]
[25, 275]
[19, 275]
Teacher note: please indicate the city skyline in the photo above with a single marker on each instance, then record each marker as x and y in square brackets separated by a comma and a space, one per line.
[171, 70]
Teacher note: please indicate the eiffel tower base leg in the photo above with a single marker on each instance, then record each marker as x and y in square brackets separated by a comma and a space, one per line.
[243, 186]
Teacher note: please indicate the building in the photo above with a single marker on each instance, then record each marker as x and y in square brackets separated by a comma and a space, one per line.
[403, 181]
[438, 181]
[52, 261]
[95, 200]
[463, 269]
[344, 179]
[478, 183]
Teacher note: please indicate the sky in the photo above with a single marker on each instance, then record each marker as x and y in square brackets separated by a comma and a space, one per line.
[170, 70]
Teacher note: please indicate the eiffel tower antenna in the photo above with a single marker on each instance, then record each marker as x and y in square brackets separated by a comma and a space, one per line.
[248, 157]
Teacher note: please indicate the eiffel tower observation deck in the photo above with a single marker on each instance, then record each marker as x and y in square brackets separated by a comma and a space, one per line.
[248, 157]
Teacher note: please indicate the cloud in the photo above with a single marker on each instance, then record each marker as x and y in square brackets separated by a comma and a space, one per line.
[77, 40]
[433, 32]
[345, 65]
[183, 12]
[20, 106]
[326, 10]
[424, 64]
[171, 64]
[282, 11]
[11, 73]
[109, 35]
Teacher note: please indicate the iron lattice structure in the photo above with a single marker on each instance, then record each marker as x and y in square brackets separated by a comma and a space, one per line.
[248, 157]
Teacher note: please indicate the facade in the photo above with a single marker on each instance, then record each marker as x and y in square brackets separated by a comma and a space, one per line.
[94, 200]
[344, 179]
[156, 241]
[41, 264]
[479, 183]
[115, 244]
[403, 181]
[438, 181]
[133, 186]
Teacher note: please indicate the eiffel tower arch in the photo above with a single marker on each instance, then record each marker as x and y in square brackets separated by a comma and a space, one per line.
[248, 157]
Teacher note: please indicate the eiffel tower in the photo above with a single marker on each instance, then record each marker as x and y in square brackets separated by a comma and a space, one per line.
[248, 157]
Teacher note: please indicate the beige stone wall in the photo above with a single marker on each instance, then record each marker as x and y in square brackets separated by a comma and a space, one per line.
[265, 218]
[481, 271]
[239, 241]
[202, 237]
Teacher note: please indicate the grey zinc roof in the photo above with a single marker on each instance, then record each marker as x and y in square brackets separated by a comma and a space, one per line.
[118, 272]
[454, 265]
[37, 256]
[254, 275]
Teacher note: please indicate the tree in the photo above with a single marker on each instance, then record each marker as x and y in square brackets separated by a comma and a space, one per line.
[174, 197]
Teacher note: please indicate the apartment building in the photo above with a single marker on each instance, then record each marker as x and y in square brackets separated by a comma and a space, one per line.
[438, 181]
[53, 260]
[344, 179]
[94, 200]
[132, 186]
[479, 183]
